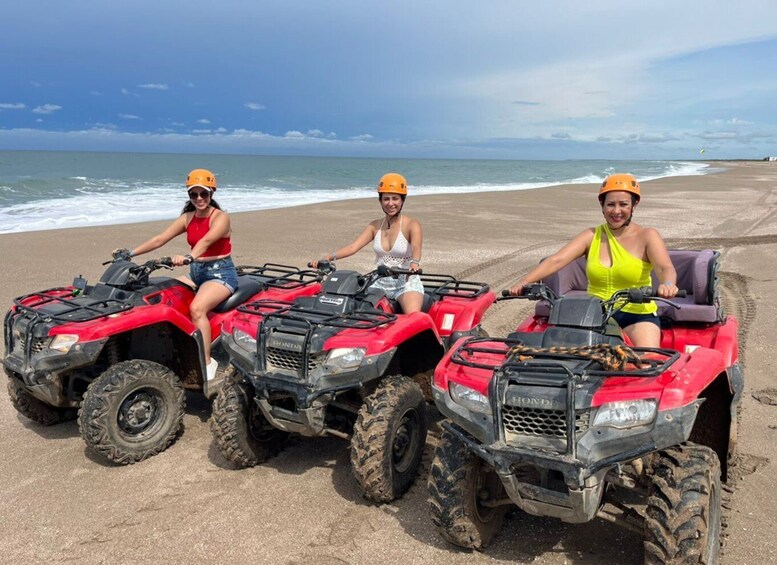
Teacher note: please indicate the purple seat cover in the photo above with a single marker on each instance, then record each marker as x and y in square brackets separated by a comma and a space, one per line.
[693, 275]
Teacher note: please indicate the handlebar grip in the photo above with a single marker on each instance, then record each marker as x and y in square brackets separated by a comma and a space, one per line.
[505, 292]
[681, 293]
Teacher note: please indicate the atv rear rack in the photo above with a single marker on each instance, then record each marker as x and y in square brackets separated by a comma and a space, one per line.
[280, 276]
[364, 320]
[446, 285]
[463, 354]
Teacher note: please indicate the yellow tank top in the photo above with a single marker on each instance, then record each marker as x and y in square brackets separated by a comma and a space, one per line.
[626, 272]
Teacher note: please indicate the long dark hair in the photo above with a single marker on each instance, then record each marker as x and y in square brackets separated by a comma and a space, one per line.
[189, 207]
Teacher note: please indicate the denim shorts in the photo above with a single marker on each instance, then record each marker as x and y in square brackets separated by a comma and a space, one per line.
[626, 319]
[221, 271]
[394, 287]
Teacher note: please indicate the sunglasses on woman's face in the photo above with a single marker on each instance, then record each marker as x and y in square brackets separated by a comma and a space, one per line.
[195, 195]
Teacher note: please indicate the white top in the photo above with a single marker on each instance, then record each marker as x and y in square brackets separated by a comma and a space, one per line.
[399, 255]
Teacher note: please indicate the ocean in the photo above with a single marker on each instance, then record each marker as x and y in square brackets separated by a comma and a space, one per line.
[41, 190]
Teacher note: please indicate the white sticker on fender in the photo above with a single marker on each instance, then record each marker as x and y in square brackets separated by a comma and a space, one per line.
[447, 321]
[691, 348]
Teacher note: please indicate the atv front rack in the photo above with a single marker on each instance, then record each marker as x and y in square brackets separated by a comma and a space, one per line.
[494, 357]
[68, 310]
[446, 285]
[364, 320]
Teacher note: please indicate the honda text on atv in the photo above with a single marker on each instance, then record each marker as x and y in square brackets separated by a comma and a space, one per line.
[345, 363]
[123, 351]
[563, 419]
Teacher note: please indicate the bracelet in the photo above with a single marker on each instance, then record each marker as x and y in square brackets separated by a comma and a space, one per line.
[416, 261]
[334, 255]
[667, 283]
[189, 257]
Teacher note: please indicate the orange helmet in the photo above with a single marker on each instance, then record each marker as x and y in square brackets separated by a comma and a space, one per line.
[620, 181]
[201, 177]
[393, 182]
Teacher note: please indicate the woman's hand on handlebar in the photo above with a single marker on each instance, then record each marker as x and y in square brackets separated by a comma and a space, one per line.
[667, 290]
[179, 260]
[517, 288]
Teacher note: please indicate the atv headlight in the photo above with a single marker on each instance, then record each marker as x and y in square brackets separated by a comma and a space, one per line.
[469, 399]
[244, 340]
[63, 342]
[626, 414]
[344, 358]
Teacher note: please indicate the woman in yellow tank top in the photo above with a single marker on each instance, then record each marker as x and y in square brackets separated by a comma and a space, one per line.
[620, 254]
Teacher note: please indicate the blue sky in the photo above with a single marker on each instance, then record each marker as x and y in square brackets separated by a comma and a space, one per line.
[501, 79]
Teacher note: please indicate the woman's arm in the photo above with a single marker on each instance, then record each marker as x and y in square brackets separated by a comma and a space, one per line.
[416, 241]
[219, 227]
[658, 256]
[560, 259]
[175, 229]
[364, 238]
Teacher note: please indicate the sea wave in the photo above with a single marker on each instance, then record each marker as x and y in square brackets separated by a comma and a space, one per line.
[93, 202]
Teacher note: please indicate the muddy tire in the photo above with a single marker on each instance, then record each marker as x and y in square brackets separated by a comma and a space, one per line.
[240, 431]
[132, 411]
[34, 409]
[458, 482]
[682, 522]
[389, 438]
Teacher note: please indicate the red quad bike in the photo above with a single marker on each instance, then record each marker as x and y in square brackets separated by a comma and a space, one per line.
[344, 363]
[563, 419]
[119, 354]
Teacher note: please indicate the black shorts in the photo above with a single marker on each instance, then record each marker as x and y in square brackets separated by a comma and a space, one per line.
[626, 319]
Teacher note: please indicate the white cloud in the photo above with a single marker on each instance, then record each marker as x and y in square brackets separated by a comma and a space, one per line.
[153, 86]
[46, 109]
[255, 106]
[294, 134]
[203, 121]
[12, 106]
[125, 91]
[189, 84]
[315, 133]
[362, 137]
[129, 117]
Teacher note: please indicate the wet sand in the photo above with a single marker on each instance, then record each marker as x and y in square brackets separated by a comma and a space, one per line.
[60, 503]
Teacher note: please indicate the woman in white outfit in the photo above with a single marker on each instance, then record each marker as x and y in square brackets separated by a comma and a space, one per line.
[396, 240]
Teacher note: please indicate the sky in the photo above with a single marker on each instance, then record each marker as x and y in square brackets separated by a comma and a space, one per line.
[461, 79]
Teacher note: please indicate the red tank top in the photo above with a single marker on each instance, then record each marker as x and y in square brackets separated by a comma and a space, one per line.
[197, 229]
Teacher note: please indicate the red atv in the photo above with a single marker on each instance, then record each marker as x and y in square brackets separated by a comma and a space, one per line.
[344, 363]
[563, 419]
[123, 351]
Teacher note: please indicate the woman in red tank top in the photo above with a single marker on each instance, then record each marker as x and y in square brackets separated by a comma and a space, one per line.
[208, 232]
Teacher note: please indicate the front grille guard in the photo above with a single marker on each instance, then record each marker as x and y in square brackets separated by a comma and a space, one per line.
[305, 323]
[545, 370]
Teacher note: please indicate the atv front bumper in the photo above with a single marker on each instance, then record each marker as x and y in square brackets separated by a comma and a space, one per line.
[564, 485]
[42, 375]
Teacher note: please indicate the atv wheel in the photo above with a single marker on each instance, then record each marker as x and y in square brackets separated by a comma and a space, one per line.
[388, 439]
[37, 411]
[132, 411]
[459, 483]
[241, 432]
[682, 523]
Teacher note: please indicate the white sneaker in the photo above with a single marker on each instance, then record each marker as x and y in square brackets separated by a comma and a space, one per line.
[211, 369]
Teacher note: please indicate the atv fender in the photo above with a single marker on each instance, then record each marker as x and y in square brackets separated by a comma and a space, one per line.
[701, 368]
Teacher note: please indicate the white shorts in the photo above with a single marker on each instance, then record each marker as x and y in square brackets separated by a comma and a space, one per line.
[394, 287]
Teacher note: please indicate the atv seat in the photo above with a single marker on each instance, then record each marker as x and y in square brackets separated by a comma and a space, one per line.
[426, 305]
[696, 274]
[246, 288]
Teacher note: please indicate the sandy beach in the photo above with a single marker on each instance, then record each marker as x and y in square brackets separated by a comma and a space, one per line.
[59, 503]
